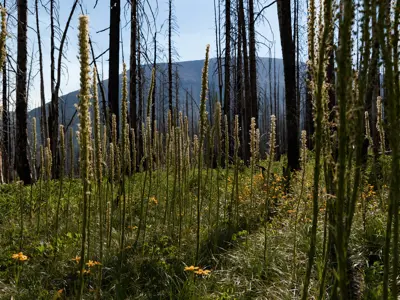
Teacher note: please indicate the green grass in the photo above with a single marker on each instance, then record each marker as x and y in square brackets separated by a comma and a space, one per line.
[154, 268]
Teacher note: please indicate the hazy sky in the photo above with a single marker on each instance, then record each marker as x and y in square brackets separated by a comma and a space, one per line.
[195, 29]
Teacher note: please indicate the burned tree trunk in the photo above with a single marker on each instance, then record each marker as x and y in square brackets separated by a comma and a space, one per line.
[253, 105]
[54, 108]
[21, 157]
[132, 71]
[170, 105]
[43, 119]
[227, 104]
[113, 74]
[6, 128]
[288, 55]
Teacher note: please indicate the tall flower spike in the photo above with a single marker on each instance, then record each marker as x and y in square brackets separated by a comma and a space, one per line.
[203, 95]
[257, 145]
[253, 140]
[379, 123]
[34, 147]
[111, 162]
[236, 132]
[84, 101]
[127, 149]
[84, 95]
[42, 163]
[303, 154]
[71, 152]
[133, 149]
[3, 36]
[49, 161]
[97, 142]
[104, 147]
[272, 137]
[62, 150]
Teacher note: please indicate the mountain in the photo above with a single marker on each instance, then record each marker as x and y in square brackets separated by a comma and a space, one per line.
[189, 80]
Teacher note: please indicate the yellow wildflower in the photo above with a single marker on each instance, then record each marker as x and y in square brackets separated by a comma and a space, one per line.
[191, 268]
[92, 263]
[19, 256]
[77, 259]
[202, 272]
[86, 271]
[153, 200]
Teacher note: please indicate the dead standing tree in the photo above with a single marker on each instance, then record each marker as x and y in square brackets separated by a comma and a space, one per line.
[21, 159]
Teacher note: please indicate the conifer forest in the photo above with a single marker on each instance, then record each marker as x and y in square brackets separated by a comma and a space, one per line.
[267, 168]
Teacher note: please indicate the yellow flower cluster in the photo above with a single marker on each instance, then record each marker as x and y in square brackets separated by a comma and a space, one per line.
[77, 259]
[153, 200]
[368, 192]
[19, 256]
[202, 272]
[92, 263]
[191, 269]
[197, 271]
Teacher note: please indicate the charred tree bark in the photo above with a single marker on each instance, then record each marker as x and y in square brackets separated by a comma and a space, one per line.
[227, 104]
[176, 96]
[132, 71]
[288, 55]
[253, 105]
[170, 104]
[113, 74]
[140, 108]
[218, 47]
[6, 128]
[44, 131]
[54, 109]
[52, 130]
[247, 91]
[153, 96]
[21, 157]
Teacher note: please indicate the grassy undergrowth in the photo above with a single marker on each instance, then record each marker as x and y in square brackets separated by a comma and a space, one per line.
[232, 258]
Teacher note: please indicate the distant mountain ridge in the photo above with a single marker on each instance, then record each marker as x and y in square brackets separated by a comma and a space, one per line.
[189, 73]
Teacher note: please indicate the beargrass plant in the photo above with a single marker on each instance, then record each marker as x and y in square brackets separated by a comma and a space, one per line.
[317, 78]
[203, 122]
[61, 179]
[271, 155]
[124, 160]
[33, 160]
[253, 154]
[48, 166]
[84, 100]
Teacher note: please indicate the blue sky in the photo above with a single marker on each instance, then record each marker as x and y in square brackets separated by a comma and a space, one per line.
[195, 20]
